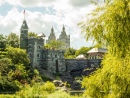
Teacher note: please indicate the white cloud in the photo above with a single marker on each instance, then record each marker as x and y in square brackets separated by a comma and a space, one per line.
[64, 13]
[1, 2]
[79, 3]
[10, 21]
[31, 3]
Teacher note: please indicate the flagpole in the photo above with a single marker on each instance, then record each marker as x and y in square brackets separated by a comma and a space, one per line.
[24, 14]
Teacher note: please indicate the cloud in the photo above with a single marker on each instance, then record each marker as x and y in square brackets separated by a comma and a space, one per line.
[32, 3]
[10, 21]
[79, 3]
[1, 2]
[62, 12]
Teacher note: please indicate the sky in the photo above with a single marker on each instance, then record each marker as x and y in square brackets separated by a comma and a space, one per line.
[41, 15]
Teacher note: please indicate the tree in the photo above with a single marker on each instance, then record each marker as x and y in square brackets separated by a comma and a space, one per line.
[70, 53]
[54, 44]
[83, 50]
[18, 56]
[3, 42]
[6, 82]
[32, 34]
[13, 40]
[110, 27]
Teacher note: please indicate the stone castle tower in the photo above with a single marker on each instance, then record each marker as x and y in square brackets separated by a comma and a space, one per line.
[50, 60]
[63, 38]
[51, 36]
[24, 35]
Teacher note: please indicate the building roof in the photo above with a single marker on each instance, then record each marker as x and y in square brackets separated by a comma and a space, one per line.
[41, 35]
[81, 56]
[94, 50]
[24, 25]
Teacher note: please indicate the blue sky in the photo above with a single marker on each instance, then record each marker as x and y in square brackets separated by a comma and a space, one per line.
[41, 15]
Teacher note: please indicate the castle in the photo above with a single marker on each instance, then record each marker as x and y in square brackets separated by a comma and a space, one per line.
[51, 60]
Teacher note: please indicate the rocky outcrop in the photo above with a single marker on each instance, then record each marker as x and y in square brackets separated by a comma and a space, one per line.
[46, 74]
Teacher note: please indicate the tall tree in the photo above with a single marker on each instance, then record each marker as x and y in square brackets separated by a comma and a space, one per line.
[83, 50]
[110, 26]
[18, 56]
[13, 40]
[70, 53]
[3, 42]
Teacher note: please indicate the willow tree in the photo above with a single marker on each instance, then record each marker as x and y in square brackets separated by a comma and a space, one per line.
[110, 26]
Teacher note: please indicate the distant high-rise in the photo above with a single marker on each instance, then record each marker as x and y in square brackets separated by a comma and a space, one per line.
[63, 38]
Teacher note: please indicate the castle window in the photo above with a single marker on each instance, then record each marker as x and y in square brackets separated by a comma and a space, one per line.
[38, 55]
[55, 56]
[38, 47]
[60, 56]
[44, 55]
[30, 45]
[22, 32]
[30, 54]
[51, 54]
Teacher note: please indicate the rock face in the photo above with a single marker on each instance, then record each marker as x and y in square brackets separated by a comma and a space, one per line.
[69, 77]
[76, 85]
[46, 74]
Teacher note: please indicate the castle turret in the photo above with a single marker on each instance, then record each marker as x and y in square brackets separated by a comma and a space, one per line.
[64, 38]
[63, 32]
[52, 36]
[24, 35]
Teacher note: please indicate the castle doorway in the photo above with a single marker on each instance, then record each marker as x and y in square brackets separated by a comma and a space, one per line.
[57, 67]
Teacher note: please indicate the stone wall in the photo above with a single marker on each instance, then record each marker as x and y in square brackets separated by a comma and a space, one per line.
[54, 61]
[35, 51]
[79, 64]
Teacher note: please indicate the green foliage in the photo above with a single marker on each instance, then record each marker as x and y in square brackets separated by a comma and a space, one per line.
[83, 50]
[54, 44]
[48, 86]
[13, 40]
[3, 42]
[110, 27]
[18, 56]
[6, 82]
[111, 81]
[59, 94]
[70, 53]
[15, 70]
[41, 90]
[32, 34]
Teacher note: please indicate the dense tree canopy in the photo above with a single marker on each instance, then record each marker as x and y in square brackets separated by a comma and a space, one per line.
[83, 50]
[110, 27]
[3, 42]
[32, 34]
[18, 56]
[70, 53]
[13, 40]
[54, 44]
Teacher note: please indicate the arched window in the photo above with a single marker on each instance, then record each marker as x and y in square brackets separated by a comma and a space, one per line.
[22, 32]
[51, 55]
[44, 55]
[30, 54]
[30, 45]
[38, 47]
[38, 55]
[55, 55]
